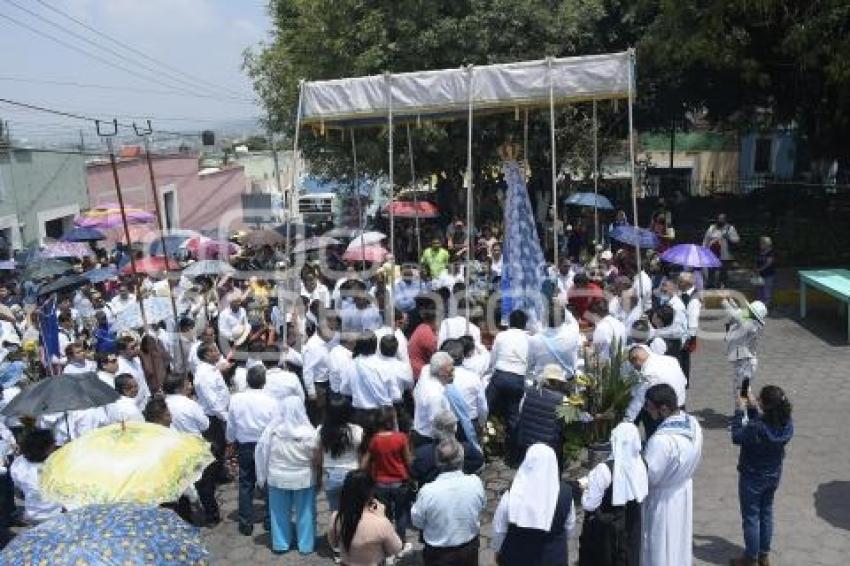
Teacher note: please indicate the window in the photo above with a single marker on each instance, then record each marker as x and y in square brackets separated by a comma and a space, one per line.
[762, 157]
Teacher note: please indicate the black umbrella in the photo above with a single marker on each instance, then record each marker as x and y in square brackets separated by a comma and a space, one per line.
[48, 267]
[67, 392]
[65, 283]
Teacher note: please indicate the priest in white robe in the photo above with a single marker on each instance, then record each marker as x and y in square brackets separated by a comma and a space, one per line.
[672, 455]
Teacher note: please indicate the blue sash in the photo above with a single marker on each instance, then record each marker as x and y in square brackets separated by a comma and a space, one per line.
[549, 343]
[678, 424]
[458, 406]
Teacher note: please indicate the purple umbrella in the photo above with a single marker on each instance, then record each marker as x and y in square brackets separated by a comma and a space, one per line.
[691, 255]
[107, 216]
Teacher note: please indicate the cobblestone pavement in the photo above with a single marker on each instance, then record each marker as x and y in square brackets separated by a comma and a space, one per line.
[812, 511]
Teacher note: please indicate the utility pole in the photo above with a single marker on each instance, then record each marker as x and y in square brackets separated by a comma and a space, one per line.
[82, 142]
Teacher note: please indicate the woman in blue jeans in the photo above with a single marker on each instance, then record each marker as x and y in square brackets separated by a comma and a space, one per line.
[761, 427]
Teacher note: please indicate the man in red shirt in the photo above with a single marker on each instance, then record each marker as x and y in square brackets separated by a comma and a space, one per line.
[423, 341]
[582, 295]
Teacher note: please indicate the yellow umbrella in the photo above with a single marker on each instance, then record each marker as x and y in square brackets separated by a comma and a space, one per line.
[125, 462]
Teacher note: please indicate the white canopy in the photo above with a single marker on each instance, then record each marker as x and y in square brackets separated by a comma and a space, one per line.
[444, 93]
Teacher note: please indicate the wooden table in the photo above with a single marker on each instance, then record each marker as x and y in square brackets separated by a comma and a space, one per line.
[833, 282]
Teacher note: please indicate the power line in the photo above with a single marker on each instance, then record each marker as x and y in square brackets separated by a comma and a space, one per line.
[132, 49]
[109, 50]
[91, 55]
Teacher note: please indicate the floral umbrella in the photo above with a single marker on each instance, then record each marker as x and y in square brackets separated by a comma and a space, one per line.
[128, 462]
[66, 249]
[103, 535]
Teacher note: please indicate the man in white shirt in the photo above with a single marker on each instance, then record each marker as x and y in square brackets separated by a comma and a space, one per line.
[122, 300]
[469, 385]
[188, 416]
[693, 305]
[509, 364]
[476, 357]
[315, 369]
[128, 362]
[107, 368]
[429, 397]
[77, 361]
[642, 288]
[399, 318]
[214, 398]
[653, 369]
[453, 327]
[314, 290]
[608, 332]
[249, 414]
[368, 381]
[67, 336]
[207, 337]
[339, 358]
[233, 321]
[125, 408]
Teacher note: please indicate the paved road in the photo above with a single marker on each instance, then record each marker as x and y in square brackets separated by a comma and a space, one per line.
[813, 504]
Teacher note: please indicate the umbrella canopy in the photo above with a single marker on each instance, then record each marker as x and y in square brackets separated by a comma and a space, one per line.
[371, 253]
[341, 232]
[67, 392]
[105, 535]
[315, 243]
[79, 234]
[152, 264]
[107, 216]
[591, 200]
[634, 236]
[413, 209]
[65, 249]
[125, 462]
[101, 274]
[64, 283]
[209, 267]
[263, 238]
[157, 309]
[46, 267]
[173, 245]
[366, 238]
[691, 255]
[214, 249]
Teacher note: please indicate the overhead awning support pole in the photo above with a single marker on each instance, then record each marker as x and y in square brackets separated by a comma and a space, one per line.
[469, 220]
[361, 221]
[391, 283]
[595, 177]
[415, 193]
[293, 203]
[553, 149]
[632, 169]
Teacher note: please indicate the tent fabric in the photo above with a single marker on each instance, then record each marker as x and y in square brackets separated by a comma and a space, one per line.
[437, 93]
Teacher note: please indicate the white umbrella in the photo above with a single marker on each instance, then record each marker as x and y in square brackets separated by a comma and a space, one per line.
[366, 238]
[157, 309]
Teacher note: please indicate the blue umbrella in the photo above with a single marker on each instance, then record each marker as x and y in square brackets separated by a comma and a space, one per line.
[101, 274]
[172, 245]
[590, 199]
[634, 236]
[691, 255]
[104, 535]
[80, 234]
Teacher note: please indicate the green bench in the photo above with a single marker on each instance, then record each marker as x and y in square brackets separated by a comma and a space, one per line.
[833, 282]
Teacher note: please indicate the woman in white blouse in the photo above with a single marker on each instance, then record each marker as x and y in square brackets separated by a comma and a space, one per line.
[284, 460]
[36, 446]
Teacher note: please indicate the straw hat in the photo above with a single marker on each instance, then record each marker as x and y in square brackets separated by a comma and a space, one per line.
[240, 334]
[758, 310]
[554, 372]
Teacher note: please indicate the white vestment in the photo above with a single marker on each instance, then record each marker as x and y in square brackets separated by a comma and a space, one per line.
[672, 455]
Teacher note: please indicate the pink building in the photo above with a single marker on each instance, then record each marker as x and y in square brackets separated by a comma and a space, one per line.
[189, 198]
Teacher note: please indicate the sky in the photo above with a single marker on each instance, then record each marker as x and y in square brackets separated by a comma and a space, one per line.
[190, 81]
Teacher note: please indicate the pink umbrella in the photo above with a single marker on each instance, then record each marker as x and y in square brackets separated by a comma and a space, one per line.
[410, 209]
[66, 249]
[215, 249]
[108, 215]
[373, 253]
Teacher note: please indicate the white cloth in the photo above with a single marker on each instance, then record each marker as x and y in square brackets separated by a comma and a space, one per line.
[124, 409]
[284, 454]
[315, 355]
[678, 329]
[501, 522]
[134, 368]
[369, 383]
[534, 492]
[211, 389]
[672, 455]
[657, 369]
[510, 351]
[478, 362]
[629, 481]
[187, 415]
[25, 475]
[87, 366]
[106, 377]
[229, 321]
[281, 384]
[248, 415]
[454, 327]
[642, 287]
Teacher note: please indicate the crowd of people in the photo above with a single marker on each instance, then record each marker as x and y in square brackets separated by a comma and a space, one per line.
[379, 388]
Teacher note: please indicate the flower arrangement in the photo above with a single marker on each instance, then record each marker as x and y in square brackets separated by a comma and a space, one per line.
[597, 400]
